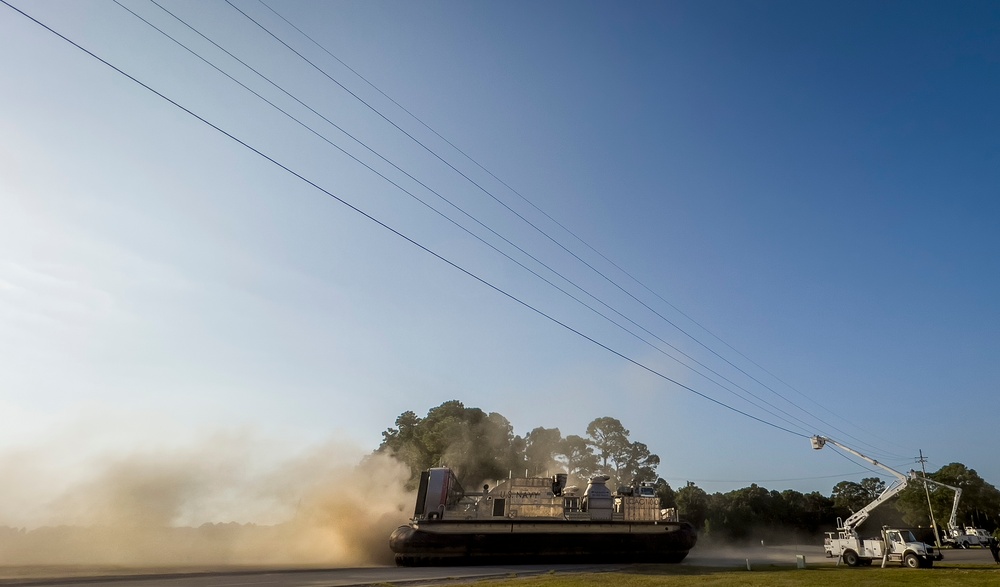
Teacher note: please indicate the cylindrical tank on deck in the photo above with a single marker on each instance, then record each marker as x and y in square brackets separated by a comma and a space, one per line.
[597, 498]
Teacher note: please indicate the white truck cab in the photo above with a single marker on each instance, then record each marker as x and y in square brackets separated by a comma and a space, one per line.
[898, 546]
[891, 545]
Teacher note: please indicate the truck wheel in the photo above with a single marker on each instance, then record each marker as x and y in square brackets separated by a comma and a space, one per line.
[911, 561]
[850, 558]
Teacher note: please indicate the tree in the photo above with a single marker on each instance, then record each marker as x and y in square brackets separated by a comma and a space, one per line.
[872, 487]
[541, 447]
[692, 504]
[668, 497]
[401, 439]
[483, 447]
[817, 511]
[479, 446]
[851, 496]
[609, 439]
[623, 461]
[912, 504]
[578, 458]
[979, 498]
[741, 512]
[636, 464]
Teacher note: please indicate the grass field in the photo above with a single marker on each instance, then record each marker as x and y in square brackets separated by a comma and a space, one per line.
[824, 576]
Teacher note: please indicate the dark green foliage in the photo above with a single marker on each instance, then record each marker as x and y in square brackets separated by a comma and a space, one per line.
[851, 496]
[757, 513]
[980, 500]
[578, 458]
[541, 447]
[623, 461]
[482, 447]
[479, 446]
[608, 438]
[693, 504]
[668, 497]
[978, 506]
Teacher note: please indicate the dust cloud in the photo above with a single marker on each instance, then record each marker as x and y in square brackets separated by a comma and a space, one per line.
[222, 500]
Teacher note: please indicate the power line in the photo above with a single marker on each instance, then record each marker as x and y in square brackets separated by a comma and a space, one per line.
[841, 475]
[543, 314]
[541, 231]
[543, 264]
[804, 426]
[401, 235]
[865, 467]
[494, 197]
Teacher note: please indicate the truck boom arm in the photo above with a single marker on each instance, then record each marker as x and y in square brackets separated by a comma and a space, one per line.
[891, 491]
[952, 522]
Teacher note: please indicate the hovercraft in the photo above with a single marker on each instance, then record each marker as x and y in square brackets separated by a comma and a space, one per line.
[538, 519]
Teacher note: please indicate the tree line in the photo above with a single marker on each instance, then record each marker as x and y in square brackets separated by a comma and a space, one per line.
[482, 447]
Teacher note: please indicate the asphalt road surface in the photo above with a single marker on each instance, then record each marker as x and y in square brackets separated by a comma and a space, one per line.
[759, 557]
[309, 578]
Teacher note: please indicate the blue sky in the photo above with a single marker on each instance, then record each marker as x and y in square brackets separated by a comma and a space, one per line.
[813, 183]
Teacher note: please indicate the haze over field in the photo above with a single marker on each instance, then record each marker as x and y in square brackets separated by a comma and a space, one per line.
[807, 193]
[227, 498]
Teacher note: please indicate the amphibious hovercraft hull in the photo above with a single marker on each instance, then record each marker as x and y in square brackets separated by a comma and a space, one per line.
[464, 543]
[536, 519]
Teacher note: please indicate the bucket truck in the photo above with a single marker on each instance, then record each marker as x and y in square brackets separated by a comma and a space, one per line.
[956, 535]
[891, 545]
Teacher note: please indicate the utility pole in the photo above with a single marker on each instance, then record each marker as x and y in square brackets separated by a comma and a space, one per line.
[927, 491]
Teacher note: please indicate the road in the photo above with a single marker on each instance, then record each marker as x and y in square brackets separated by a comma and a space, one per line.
[307, 578]
[759, 557]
